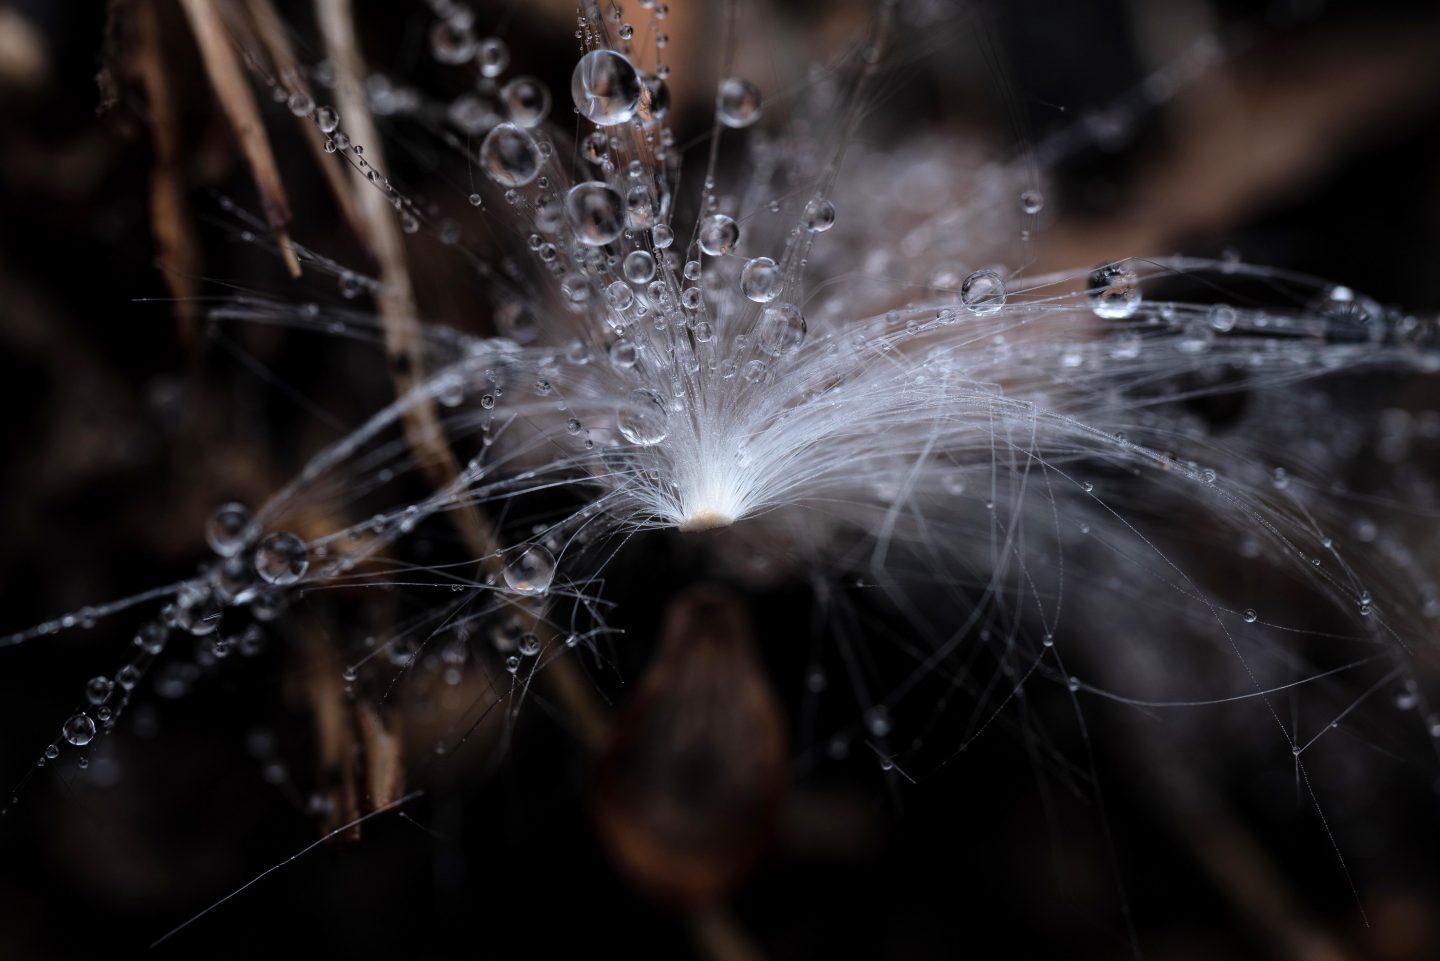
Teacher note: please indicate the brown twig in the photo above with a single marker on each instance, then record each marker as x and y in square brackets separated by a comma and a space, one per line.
[238, 101]
[176, 244]
[404, 344]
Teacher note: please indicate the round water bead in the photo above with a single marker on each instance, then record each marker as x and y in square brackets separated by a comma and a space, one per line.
[530, 570]
[620, 295]
[98, 689]
[528, 101]
[509, 156]
[644, 419]
[79, 730]
[983, 292]
[327, 119]
[596, 212]
[493, 56]
[623, 353]
[737, 103]
[719, 234]
[762, 280]
[226, 528]
[639, 266]
[1032, 201]
[529, 644]
[782, 329]
[605, 87]
[1114, 292]
[662, 236]
[451, 42]
[819, 216]
[281, 558]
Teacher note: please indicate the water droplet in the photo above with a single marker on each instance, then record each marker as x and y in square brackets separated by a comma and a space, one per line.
[1223, 317]
[1114, 292]
[983, 292]
[227, 527]
[281, 558]
[737, 103]
[527, 100]
[718, 234]
[79, 730]
[819, 216]
[644, 419]
[509, 156]
[512, 663]
[595, 210]
[662, 236]
[451, 42]
[493, 56]
[619, 295]
[605, 87]
[301, 105]
[762, 280]
[1250, 616]
[1032, 201]
[529, 645]
[530, 570]
[98, 689]
[327, 119]
[623, 353]
[782, 329]
[639, 266]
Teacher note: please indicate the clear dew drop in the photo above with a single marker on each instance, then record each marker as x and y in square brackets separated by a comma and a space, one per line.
[492, 56]
[530, 570]
[819, 216]
[509, 156]
[782, 329]
[327, 119]
[605, 87]
[1250, 616]
[644, 419]
[529, 645]
[762, 280]
[737, 102]
[596, 211]
[719, 234]
[1032, 201]
[639, 266]
[1114, 292]
[619, 295]
[983, 292]
[1223, 318]
[97, 689]
[527, 101]
[79, 730]
[281, 558]
[451, 42]
[662, 236]
[226, 528]
[622, 353]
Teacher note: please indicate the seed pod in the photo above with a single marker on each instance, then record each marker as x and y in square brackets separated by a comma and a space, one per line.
[688, 790]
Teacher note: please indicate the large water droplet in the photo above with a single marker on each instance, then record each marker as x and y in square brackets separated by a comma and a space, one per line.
[737, 104]
[644, 419]
[527, 99]
[509, 156]
[983, 292]
[492, 56]
[79, 730]
[530, 570]
[226, 529]
[718, 234]
[281, 558]
[595, 211]
[451, 42]
[1114, 292]
[781, 330]
[761, 280]
[639, 266]
[606, 87]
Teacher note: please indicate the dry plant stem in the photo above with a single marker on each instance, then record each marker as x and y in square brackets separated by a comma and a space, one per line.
[270, 32]
[232, 87]
[404, 345]
[176, 244]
